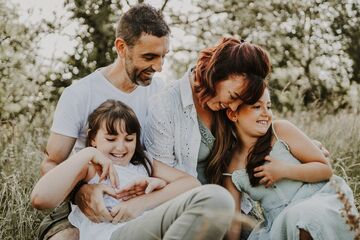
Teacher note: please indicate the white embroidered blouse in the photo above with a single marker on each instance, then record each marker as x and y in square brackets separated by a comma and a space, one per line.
[171, 133]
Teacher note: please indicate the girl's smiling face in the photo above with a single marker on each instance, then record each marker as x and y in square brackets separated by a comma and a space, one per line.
[253, 120]
[119, 148]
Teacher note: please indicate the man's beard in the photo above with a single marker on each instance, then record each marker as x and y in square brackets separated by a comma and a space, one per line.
[136, 76]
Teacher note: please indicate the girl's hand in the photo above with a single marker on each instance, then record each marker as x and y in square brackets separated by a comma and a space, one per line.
[104, 168]
[140, 187]
[321, 147]
[271, 172]
[126, 211]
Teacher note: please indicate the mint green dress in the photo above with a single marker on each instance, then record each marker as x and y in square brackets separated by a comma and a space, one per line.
[289, 205]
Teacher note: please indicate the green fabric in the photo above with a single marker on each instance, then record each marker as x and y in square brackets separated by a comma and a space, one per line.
[55, 222]
[206, 145]
[204, 212]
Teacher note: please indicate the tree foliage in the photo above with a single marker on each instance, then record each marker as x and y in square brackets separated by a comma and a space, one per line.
[313, 62]
[23, 82]
[314, 47]
[95, 36]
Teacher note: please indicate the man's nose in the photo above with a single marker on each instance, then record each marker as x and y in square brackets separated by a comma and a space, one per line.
[157, 66]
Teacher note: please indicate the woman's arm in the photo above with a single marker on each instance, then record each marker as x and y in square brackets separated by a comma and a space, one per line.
[159, 135]
[315, 166]
[235, 229]
[177, 183]
[56, 184]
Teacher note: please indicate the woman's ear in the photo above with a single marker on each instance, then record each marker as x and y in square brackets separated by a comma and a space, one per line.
[120, 46]
[231, 115]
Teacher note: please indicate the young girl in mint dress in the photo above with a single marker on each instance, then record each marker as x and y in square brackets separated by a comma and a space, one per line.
[279, 166]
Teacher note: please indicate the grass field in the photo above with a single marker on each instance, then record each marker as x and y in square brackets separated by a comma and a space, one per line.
[21, 146]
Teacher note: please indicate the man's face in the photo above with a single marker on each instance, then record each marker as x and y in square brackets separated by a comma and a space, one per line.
[145, 58]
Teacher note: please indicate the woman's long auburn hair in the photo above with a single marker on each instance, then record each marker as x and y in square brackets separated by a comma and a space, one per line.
[112, 113]
[230, 57]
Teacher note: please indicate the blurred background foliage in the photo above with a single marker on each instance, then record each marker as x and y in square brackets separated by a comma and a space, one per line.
[314, 47]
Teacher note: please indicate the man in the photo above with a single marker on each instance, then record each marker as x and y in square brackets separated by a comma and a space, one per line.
[142, 41]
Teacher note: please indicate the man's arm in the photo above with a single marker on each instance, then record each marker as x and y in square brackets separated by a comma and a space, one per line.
[58, 149]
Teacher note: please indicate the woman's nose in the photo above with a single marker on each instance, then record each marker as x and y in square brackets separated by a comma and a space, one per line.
[235, 104]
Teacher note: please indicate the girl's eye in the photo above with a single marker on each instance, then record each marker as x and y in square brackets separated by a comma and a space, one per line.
[269, 107]
[129, 139]
[110, 139]
[256, 106]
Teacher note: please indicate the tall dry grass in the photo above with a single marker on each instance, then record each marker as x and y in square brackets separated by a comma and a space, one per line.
[21, 146]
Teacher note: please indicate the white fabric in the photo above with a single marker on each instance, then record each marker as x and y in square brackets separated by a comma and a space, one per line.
[172, 134]
[101, 231]
[80, 99]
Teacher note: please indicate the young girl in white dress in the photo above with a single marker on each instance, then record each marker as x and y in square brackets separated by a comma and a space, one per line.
[116, 157]
[279, 166]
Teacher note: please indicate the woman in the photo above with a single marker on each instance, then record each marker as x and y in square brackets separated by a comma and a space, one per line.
[181, 129]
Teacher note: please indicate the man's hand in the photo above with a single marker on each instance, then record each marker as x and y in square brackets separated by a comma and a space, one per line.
[140, 187]
[270, 172]
[126, 211]
[90, 200]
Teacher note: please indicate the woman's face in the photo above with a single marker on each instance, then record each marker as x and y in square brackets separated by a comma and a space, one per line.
[227, 93]
[253, 120]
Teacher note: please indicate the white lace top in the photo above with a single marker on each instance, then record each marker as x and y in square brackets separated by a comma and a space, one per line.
[171, 134]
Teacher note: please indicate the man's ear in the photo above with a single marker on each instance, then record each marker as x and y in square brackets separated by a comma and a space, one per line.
[231, 115]
[120, 46]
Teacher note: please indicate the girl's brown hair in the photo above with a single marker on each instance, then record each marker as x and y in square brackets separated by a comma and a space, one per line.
[256, 155]
[230, 57]
[112, 113]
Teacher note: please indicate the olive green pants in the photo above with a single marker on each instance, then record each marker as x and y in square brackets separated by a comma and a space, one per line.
[205, 212]
[202, 213]
[55, 222]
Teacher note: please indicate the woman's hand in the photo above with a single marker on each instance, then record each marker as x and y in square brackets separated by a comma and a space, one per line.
[140, 187]
[104, 168]
[270, 172]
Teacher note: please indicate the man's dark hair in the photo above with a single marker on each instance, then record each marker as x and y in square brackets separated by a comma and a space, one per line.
[141, 18]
